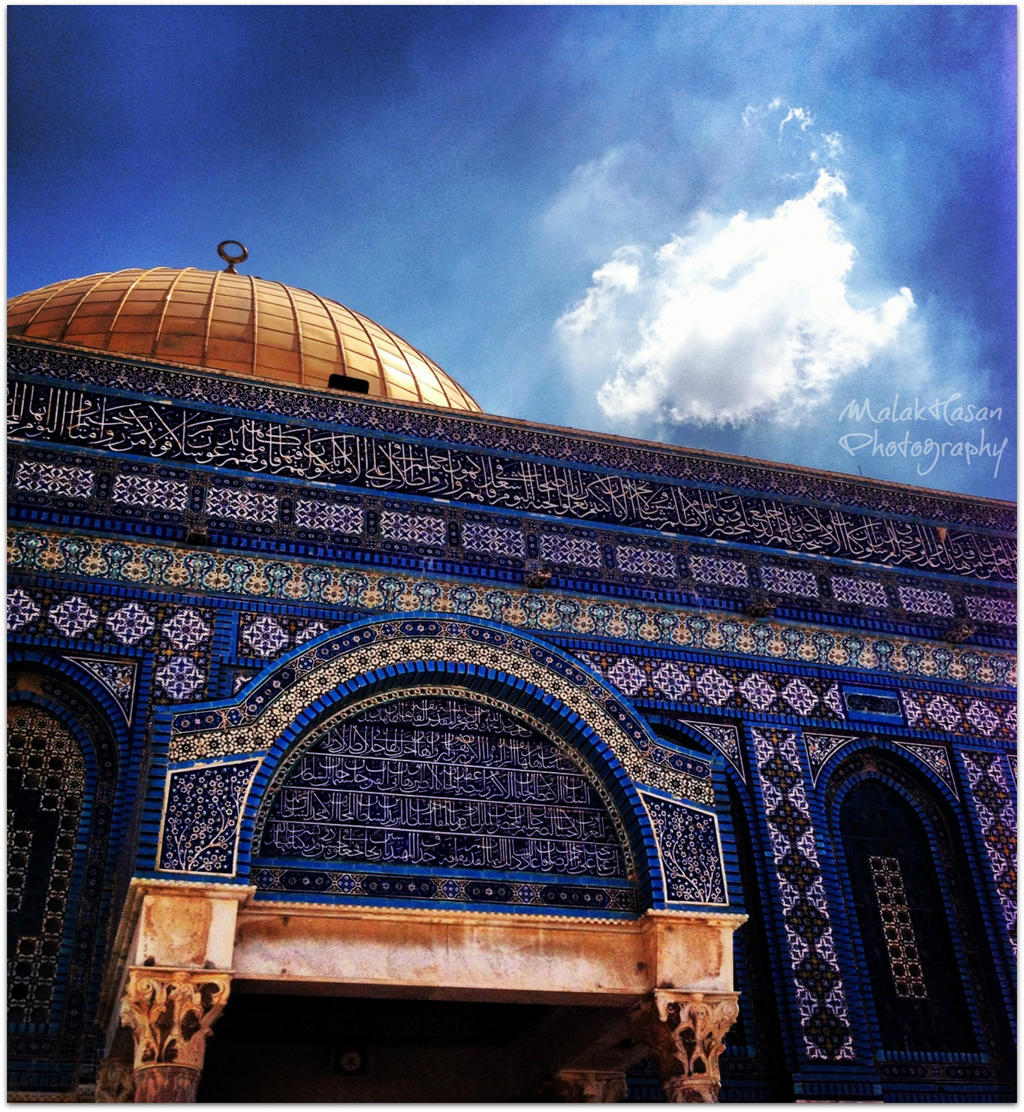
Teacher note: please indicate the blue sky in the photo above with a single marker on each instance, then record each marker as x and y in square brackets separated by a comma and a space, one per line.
[710, 226]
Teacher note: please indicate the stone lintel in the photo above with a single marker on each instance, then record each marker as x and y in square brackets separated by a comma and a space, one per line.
[481, 955]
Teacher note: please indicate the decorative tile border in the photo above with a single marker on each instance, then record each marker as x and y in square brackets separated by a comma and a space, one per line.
[816, 977]
[198, 571]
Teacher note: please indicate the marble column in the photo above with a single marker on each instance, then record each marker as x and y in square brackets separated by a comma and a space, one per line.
[684, 1032]
[591, 1086]
[170, 1013]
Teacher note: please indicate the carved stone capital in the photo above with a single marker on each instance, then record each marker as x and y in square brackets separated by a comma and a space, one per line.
[684, 1032]
[591, 1086]
[170, 1013]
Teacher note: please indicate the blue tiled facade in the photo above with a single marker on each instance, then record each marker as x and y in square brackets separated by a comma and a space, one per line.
[502, 667]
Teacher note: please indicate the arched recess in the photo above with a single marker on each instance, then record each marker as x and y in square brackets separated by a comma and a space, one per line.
[63, 761]
[928, 988]
[341, 675]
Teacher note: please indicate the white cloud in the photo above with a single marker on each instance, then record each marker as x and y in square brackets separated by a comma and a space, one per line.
[740, 319]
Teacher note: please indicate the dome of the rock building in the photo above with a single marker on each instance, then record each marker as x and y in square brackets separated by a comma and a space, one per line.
[225, 321]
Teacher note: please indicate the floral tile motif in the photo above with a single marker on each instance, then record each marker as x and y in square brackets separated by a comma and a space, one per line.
[262, 636]
[996, 807]
[201, 815]
[117, 676]
[186, 629]
[816, 977]
[821, 747]
[180, 678]
[725, 739]
[690, 850]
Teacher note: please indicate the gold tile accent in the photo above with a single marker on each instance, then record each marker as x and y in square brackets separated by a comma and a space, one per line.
[235, 323]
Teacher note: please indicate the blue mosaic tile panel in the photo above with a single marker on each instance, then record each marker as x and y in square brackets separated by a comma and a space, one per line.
[646, 560]
[64, 479]
[791, 581]
[259, 579]
[238, 502]
[996, 807]
[713, 569]
[267, 636]
[201, 816]
[918, 600]
[998, 611]
[690, 850]
[859, 590]
[145, 490]
[412, 528]
[814, 966]
[574, 551]
[116, 676]
[493, 433]
[960, 714]
[723, 686]
[561, 490]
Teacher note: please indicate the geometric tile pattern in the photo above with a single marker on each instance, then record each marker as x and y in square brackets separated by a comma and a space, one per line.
[498, 540]
[570, 550]
[917, 600]
[955, 713]
[821, 997]
[332, 516]
[996, 807]
[722, 686]
[46, 771]
[638, 560]
[998, 611]
[66, 480]
[821, 747]
[791, 581]
[863, 592]
[900, 941]
[143, 490]
[238, 502]
[711, 569]
[413, 528]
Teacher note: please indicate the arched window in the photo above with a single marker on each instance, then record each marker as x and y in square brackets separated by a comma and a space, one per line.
[902, 919]
[46, 790]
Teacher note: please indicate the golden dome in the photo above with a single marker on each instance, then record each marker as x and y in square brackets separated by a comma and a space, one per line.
[233, 322]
